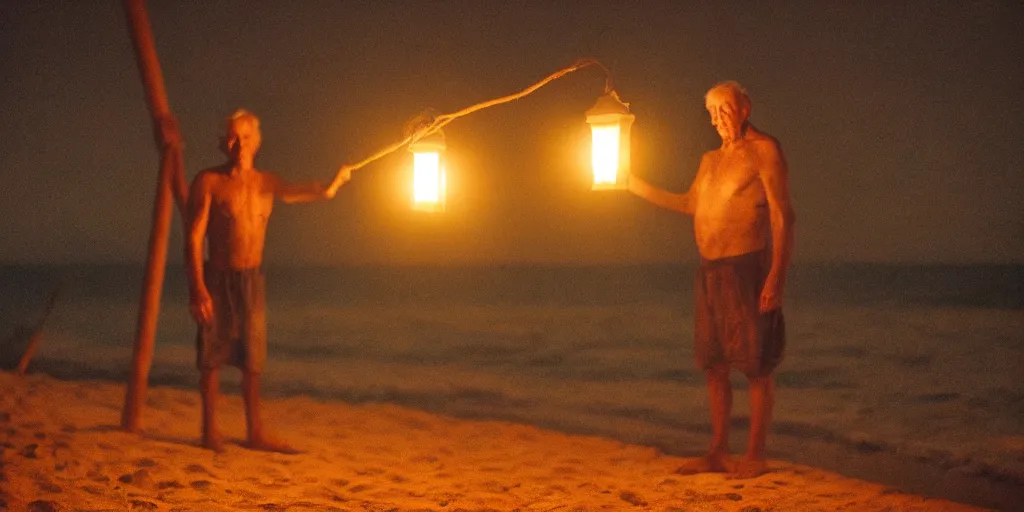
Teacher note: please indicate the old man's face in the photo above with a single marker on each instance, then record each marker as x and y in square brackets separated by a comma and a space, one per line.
[242, 139]
[728, 114]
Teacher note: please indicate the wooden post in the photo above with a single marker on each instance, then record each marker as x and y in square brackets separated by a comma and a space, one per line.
[170, 171]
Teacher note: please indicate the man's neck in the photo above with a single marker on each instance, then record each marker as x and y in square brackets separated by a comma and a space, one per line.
[238, 168]
[745, 130]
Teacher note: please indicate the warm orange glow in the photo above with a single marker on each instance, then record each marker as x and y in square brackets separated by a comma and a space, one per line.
[428, 174]
[610, 123]
[428, 182]
[604, 154]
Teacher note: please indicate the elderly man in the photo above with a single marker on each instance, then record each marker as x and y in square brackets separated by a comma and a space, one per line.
[743, 224]
[229, 206]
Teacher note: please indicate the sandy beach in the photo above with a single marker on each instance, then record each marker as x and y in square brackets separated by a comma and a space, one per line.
[62, 450]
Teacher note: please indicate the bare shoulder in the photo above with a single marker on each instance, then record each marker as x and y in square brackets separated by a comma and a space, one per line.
[269, 179]
[768, 151]
[206, 178]
[764, 143]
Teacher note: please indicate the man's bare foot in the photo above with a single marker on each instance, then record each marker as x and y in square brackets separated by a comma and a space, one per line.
[214, 441]
[270, 444]
[714, 462]
[748, 467]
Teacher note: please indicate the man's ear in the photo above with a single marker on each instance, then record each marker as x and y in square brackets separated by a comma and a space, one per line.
[222, 144]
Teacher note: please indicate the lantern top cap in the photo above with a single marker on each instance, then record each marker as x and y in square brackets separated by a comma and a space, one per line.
[434, 141]
[608, 103]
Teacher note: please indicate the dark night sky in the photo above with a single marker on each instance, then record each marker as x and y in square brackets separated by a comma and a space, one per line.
[902, 124]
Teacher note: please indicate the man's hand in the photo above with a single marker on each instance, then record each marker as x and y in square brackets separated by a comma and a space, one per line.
[167, 133]
[343, 177]
[771, 295]
[201, 307]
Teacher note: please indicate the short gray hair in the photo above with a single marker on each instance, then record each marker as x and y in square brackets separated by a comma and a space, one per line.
[244, 115]
[733, 87]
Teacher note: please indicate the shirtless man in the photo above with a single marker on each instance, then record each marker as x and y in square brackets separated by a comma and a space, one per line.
[743, 223]
[229, 206]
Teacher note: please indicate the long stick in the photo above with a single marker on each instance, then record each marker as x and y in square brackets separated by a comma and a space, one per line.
[170, 165]
[37, 334]
[440, 121]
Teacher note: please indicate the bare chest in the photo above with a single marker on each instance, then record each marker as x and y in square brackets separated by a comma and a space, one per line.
[241, 200]
[732, 176]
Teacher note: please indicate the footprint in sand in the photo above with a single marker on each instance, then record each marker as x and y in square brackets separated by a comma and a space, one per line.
[43, 506]
[169, 484]
[29, 451]
[273, 507]
[139, 478]
[200, 485]
[48, 486]
[96, 476]
[143, 505]
[198, 468]
[93, 489]
[632, 498]
[145, 462]
[726, 496]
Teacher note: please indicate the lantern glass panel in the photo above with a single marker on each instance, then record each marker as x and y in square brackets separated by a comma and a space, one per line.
[605, 153]
[428, 182]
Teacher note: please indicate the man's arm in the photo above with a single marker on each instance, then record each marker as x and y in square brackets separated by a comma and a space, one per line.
[775, 177]
[309, 191]
[198, 215]
[682, 203]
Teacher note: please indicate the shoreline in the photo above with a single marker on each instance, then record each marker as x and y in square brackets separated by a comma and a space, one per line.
[62, 446]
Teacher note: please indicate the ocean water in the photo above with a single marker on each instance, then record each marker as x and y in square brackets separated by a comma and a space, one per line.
[916, 361]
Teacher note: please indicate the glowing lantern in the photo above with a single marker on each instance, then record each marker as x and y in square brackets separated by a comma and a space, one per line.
[428, 176]
[610, 122]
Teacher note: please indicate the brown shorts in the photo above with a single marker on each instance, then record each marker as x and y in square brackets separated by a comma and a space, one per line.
[728, 326]
[237, 334]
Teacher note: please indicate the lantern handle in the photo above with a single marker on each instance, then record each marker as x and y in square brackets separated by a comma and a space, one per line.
[426, 123]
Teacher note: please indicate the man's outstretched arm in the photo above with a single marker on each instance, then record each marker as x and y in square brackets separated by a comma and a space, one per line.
[682, 203]
[310, 191]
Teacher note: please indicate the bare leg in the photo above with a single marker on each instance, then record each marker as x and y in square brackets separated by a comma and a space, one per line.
[258, 439]
[209, 388]
[762, 399]
[720, 393]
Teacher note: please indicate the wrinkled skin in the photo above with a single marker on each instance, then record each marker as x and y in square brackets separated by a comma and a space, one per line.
[740, 203]
[229, 208]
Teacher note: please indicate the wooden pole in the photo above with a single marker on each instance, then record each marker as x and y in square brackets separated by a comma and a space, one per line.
[156, 262]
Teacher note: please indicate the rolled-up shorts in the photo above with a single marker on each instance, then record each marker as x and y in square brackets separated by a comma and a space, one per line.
[729, 327]
[237, 333]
